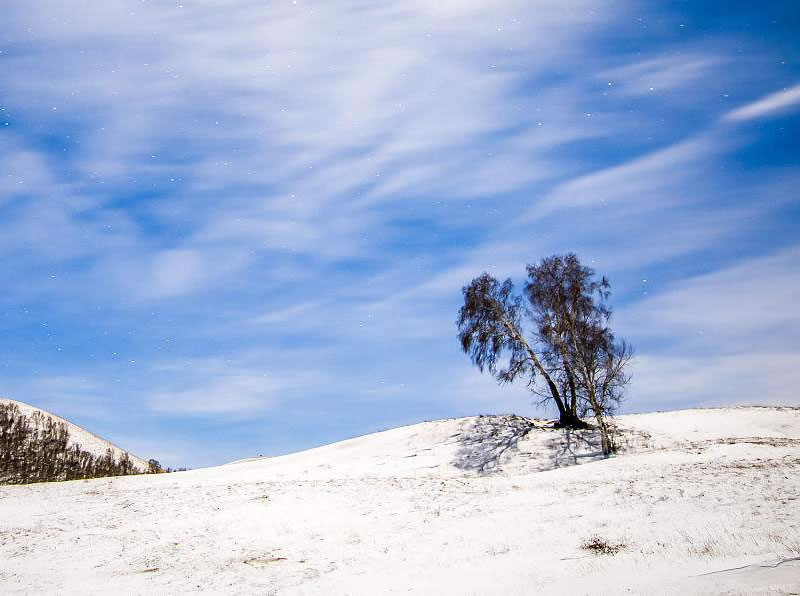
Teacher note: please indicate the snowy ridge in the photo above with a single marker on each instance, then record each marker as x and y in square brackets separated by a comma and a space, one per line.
[77, 435]
[515, 445]
[699, 502]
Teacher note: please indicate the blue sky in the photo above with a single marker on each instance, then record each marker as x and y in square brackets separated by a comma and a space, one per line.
[232, 228]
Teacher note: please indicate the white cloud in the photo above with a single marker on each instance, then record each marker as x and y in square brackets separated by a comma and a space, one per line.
[672, 382]
[70, 396]
[766, 106]
[256, 175]
[340, 106]
[663, 73]
[646, 182]
[175, 272]
[248, 383]
[21, 172]
[295, 315]
[725, 337]
[228, 394]
[747, 306]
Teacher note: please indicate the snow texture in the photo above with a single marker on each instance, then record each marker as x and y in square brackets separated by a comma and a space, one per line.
[698, 502]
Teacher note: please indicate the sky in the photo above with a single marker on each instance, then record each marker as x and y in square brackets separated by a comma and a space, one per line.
[232, 228]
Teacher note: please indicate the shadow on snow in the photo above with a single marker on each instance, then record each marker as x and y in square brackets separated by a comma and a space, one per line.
[491, 440]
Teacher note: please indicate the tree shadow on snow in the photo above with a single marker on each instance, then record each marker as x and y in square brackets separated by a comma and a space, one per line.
[570, 446]
[485, 442]
[483, 445]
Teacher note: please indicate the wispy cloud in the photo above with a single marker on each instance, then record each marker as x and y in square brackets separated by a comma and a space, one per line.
[769, 105]
[213, 386]
[739, 308]
[223, 394]
[281, 201]
[659, 74]
[670, 382]
[644, 182]
[321, 127]
[80, 399]
[728, 336]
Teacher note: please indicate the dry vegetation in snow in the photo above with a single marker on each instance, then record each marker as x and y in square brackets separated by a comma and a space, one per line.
[38, 447]
[77, 436]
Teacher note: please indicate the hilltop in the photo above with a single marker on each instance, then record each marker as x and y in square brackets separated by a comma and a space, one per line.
[699, 501]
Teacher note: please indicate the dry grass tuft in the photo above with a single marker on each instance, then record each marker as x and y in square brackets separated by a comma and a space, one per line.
[600, 546]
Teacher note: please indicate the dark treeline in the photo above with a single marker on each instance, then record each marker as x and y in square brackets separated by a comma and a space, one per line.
[36, 449]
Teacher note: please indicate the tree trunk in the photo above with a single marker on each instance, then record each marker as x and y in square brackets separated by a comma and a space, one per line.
[606, 439]
[573, 402]
[563, 411]
[569, 419]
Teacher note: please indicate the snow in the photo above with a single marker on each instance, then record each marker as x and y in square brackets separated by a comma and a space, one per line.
[77, 435]
[706, 501]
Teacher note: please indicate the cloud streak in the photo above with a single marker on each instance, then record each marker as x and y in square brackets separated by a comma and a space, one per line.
[725, 337]
[283, 199]
[774, 103]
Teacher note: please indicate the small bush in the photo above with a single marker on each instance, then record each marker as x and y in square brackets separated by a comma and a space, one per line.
[600, 546]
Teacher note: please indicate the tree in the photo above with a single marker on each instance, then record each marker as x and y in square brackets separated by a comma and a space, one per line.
[570, 309]
[568, 355]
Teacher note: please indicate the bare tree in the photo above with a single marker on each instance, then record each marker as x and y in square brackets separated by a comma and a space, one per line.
[570, 308]
[491, 332]
[567, 355]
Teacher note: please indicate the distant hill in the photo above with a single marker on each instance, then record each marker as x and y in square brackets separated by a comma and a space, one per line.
[61, 449]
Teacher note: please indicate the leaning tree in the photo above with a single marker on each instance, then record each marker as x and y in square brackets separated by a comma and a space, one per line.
[555, 336]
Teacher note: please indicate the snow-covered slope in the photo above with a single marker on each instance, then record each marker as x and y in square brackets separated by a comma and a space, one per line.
[702, 502]
[77, 435]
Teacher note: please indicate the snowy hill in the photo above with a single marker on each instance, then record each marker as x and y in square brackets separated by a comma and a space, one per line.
[80, 436]
[698, 502]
